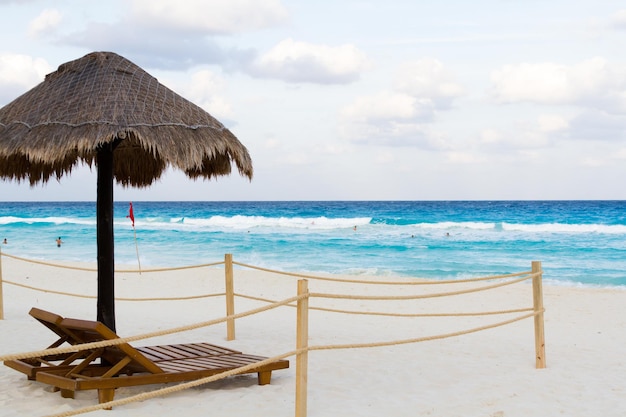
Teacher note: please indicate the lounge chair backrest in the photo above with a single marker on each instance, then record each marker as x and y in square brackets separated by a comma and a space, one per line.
[45, 316]
[48, 319]
[53, 322]
[94, 331]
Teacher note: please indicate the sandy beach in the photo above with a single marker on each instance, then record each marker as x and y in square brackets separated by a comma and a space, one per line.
[489, 373]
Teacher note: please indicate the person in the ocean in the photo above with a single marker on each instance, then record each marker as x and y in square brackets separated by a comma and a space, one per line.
[59, 241]
[4, 242]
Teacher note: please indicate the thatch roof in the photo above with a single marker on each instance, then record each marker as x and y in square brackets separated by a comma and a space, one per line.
[104, 98]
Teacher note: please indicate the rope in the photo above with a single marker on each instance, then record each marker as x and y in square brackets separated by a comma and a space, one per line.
[427, 338]
[79, 268]
[48, 291]
[177, 268]
[470, 314]
[376, 313]
[425, 282]
[123, 340]
[189, 297]
[416, 297]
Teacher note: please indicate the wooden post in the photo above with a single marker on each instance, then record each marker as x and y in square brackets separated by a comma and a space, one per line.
[302, 342]
[1, 284]
[540, 342]
[230, 296]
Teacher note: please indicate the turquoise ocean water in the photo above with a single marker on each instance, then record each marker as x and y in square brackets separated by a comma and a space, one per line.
[578, 242]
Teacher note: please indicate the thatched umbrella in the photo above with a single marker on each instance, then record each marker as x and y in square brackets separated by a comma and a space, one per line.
[102, 109]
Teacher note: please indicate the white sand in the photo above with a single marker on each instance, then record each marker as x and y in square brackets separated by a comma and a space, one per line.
[489, 373]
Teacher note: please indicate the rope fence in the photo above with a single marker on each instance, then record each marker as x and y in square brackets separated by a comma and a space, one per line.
[302, 304]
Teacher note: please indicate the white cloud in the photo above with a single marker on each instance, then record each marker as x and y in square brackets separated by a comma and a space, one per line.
[332, 149]
[596, 125]
[490, 136]
[385, 158]
[402, 117]
[523, 136]
[428, 78]
[389, 105]
[593, 162]
[206, 81]
[172, 34]
[545, 82]
[272, 143]
[552, 123]
[618, 20]
[593, 83]
[388, 118]
[620, 154]
[298, 158]
[47, 22]
[294, 61]
[389, 133]
[469, 158]
[154, 47]
[18, 73]
[204, 88]
[218, 107]
[16, 1]
[216, 16]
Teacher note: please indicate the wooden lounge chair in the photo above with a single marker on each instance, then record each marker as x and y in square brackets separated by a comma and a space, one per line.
[52, 321]
[123, 365]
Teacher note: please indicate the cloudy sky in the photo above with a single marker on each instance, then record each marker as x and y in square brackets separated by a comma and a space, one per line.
[360, 99]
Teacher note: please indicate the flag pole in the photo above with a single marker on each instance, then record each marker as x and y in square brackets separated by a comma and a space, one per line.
[137, 249]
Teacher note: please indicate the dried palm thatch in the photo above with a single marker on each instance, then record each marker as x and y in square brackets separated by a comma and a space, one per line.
[102, 109]
[103, 98]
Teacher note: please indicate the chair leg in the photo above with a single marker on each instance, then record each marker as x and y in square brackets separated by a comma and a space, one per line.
[105, 395]
[66, 393]
[264, 377]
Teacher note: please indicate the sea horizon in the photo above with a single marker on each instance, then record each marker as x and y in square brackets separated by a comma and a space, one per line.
[318, 200]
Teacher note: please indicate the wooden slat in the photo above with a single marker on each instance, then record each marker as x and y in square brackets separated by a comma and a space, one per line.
[224, 362]
[205, 349]
[155, 353]
[183, 351]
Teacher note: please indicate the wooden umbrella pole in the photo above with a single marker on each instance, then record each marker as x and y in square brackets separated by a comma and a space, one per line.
[104, 237]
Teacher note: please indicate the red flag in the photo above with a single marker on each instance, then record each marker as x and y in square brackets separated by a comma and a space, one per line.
[131, 216]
